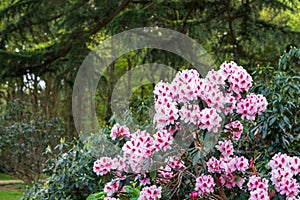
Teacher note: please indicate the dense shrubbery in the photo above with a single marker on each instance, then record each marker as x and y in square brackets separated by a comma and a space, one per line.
[279, 126]
[24, 136]
[70, 175]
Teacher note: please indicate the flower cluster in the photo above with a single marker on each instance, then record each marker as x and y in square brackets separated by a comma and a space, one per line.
[202, 102]
[228, 166]
[284, 170]
[118, 131]
[258, 188]
[150, 193]
[251, 106]
[220, 90]
[235, 128]
[205, 184]
[111, 187]
[103, 166]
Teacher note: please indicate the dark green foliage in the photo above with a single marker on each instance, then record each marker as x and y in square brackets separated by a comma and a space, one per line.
[279, 126]
[71, 175]
[24, 136]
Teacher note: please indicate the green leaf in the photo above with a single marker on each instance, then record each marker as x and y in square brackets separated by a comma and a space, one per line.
[128, 188]
[264, 130]
[272, 119]
[96, 196]
[153, 175]
[196, 158]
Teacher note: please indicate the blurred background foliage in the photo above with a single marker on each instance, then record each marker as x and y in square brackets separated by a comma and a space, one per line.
[43, 43]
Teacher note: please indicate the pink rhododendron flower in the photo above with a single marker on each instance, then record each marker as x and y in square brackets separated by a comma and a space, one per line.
[175, 163]
[214, 97]
[288, 187]
[150, 193]
[210, 120]
[278, 161]
[215, 77]
[259, 194]
[252, 105]
[111, 187]
[145, 181]
[234, 127]
[256, 182]
[163, 140]
[119, 131]
[205, 184]
[227, 69]
[226, 148]
[229, 180]
[241, 164]
[164, 174]
[166, 112]
[185, 84]
[262, 104]
[284, 168]
[240, 80]
[103, 166]
[190, 113]
[120, 164]
[294, 165]
[138, 151]
[213, 165]
[162, 89]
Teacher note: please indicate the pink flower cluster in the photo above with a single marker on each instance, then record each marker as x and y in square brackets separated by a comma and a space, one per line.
[258, 188]
[226, 148]
[285, 169]
[118, 131]
[138, 150]
[111, 187]
[235, 128]
[175, 101]
[166, 112]
[205, 184]
[164, 174]
[229, 166]
[103, 166]
[150, 193]
[251, 106]
[231, 180]
[163, 140]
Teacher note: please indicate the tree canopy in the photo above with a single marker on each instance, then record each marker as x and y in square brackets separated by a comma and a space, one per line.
[48, 40]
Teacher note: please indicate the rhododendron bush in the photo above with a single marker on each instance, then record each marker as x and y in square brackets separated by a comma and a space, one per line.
[190, 109]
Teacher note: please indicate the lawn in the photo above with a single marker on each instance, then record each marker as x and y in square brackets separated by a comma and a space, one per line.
[10, 194]
[6, 177]
[10, 191]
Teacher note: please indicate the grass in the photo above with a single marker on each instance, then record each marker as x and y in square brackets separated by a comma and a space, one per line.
[6, 177]
[10, 194]
[9, 191]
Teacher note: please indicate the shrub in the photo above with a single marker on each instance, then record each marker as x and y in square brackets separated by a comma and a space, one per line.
[279, 126]
[70, 175]
[153, 167]
[24, 136]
